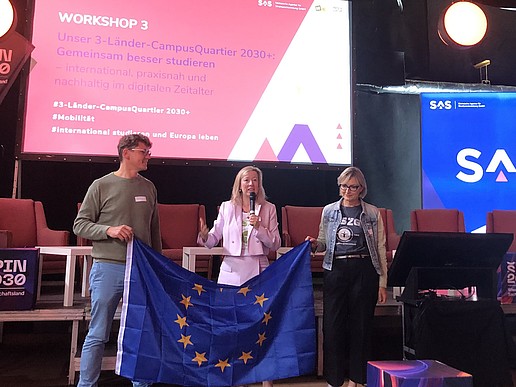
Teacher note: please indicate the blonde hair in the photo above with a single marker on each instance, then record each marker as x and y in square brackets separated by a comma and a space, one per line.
[350, 172]
[236, 193]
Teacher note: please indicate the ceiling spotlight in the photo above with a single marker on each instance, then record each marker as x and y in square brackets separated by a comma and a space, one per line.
[463, 24]
[7, 17]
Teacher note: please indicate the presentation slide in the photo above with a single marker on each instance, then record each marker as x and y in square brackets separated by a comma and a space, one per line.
[227, 80]
[468, 153]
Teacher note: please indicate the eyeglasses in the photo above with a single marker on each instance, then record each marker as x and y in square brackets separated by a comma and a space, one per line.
[352, 188]
[146, 152]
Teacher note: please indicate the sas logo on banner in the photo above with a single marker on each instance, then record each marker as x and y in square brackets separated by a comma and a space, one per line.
[6, 57]
[500, 157]
[440, 105]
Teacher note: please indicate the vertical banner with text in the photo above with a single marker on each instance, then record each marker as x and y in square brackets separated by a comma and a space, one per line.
[18, 278]
[14, 51]
[507, 279]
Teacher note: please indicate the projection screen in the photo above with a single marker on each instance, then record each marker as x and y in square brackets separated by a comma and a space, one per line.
[231, 80]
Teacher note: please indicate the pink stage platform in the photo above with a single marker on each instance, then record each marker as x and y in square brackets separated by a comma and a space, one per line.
[415, 373]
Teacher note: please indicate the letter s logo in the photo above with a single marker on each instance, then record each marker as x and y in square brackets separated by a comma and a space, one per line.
[478, 172]
[447, 105]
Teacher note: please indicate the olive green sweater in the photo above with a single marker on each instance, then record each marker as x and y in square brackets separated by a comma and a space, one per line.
[113, 201]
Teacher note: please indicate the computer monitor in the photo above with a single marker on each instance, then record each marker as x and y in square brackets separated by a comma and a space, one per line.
[450, 259]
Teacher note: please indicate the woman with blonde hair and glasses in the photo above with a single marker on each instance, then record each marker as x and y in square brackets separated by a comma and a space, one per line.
[355, 278]
[247, 224]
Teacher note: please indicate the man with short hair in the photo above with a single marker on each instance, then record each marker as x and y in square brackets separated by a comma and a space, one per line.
[117, 207]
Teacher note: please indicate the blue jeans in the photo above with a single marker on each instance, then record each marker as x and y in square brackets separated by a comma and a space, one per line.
[106, 287]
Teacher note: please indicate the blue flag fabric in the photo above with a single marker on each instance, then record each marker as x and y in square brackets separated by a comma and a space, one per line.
[180, 328]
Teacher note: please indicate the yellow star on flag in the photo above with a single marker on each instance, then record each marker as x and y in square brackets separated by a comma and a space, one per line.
[198, 288]
[199, 358]
[186, 301]
[223, 364]
[260, 299]
[261, 338]
[266, 318]
[181, 321]
[244, 291]
[246, 356]
[185, 340]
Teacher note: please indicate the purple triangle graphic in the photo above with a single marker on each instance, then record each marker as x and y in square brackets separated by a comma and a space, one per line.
[301, 135]
[501, 178]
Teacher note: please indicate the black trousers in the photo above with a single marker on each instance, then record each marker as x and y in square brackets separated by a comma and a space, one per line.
[350, 293]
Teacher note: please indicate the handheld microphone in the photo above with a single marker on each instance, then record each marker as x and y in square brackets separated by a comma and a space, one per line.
[252, 201]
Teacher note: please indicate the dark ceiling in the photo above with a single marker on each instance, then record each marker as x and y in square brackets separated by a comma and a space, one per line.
[393, 43]
[498, 3]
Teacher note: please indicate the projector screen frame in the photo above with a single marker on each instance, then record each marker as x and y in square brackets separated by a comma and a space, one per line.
[71, 157]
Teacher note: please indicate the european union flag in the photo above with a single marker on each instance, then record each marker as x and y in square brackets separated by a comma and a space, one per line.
[180, 328]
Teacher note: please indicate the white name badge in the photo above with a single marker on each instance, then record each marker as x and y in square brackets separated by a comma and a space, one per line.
[140, 199]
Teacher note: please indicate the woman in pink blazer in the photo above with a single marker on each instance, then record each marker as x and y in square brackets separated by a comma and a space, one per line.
[248, 227]
[247, 235]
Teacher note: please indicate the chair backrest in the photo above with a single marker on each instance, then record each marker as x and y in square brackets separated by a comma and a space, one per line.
[46, 236]
[25, 219]
[19, 216]
[437, 220]
[297, 222]
[391, 236]
[6, 238]
[502, 221]
[180, 224]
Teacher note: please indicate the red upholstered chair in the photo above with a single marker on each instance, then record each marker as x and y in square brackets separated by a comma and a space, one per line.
[25, 221]
[503, 221]
[6, 238]
[179, 225]
[296, 223]
[437, 220]
[391, 237]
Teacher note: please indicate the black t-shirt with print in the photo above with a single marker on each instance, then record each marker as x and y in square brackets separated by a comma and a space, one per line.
[350, 236]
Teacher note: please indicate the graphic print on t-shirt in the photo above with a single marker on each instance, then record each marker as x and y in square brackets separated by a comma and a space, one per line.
[350, 236]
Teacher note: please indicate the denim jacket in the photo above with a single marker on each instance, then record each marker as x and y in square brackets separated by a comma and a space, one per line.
[374, 232]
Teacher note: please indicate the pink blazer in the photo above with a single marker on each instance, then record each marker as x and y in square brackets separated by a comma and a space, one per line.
[228, 227]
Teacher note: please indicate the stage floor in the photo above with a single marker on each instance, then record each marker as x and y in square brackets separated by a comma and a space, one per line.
[36, 353]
